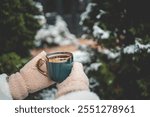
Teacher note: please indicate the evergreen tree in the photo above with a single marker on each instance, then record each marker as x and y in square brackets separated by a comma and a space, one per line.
[122, 28]
[17, 26]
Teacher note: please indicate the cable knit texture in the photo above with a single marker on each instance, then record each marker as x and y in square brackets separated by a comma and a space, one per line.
[29, 79]
[76, 81]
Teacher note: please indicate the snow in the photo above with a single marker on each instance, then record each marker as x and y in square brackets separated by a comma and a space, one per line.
[110, 54]
[85, 15]
[93, 83]
[100, 33]
[58, 33]
[134, 48]
[81, 56]
[41, 19]
[39, 6]
[48, 94]
[84, 36]
[93, 67]
[97, 31]
[142, 46]
[148, 51]
[100, 14]
[85, 28]
[131, 49]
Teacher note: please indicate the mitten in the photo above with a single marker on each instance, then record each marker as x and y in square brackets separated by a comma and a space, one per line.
[29, 79]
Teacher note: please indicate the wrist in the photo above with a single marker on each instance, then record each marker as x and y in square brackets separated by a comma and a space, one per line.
[18, 87]
[67, 87]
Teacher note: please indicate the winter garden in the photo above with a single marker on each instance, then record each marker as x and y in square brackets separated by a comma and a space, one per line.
[117, 65]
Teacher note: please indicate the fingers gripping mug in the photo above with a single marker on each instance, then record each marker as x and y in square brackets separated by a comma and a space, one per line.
[58, 64]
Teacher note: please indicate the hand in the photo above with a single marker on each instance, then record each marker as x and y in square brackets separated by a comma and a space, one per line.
[76, 81]
[29, 79]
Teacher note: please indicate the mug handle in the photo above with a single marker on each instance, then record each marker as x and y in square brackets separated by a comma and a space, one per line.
[39, 64]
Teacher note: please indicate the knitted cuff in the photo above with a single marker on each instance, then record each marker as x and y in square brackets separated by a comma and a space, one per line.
[18, 87]
[64, 89]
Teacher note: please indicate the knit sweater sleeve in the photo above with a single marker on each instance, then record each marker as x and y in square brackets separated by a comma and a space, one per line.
[79, 95]
[4, 88]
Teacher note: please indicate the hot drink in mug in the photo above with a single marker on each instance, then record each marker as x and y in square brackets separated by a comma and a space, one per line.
[58, 64]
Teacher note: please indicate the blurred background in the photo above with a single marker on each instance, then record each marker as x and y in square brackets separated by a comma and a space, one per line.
[111, 38]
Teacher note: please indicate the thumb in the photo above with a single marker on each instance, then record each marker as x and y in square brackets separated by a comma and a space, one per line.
[77, 73]
[76, 81]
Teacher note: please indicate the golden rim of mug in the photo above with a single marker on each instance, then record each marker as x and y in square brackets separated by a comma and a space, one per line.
[59, 53]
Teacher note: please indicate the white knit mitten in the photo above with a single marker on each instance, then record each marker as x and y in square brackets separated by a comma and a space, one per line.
[76, 81]
[29, 79]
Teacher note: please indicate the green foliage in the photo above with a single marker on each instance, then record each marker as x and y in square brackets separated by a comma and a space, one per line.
[124, 21]
[127, 75]
[17, 26]
[11, 63]
[17, 30]
[106, 79]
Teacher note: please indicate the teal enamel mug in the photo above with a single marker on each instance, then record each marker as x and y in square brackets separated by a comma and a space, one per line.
[59, 65]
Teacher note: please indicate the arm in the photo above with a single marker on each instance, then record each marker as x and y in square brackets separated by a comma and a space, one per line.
[4, 88]
[79, 95]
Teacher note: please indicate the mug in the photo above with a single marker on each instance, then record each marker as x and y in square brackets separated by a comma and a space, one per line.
[59, 65]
